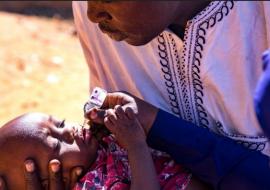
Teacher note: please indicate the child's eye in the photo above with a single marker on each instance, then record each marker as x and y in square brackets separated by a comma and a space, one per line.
[62, 124]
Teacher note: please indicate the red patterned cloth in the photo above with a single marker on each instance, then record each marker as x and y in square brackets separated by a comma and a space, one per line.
[111, 170]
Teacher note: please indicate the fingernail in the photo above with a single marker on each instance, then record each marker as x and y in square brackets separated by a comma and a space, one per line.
[78, 171]
[29, 166]
[93, 115]
[55, 167]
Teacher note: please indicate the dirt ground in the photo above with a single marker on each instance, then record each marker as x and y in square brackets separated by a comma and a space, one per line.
[42, 68]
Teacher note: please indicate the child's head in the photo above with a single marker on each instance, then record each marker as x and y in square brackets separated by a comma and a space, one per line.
[42, 137]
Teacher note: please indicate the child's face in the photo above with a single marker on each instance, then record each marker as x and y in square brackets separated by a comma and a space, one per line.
[43, 138]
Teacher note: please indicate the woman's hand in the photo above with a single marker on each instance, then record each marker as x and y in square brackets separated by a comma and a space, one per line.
[55, 181]
[145, 112]
[126, 128]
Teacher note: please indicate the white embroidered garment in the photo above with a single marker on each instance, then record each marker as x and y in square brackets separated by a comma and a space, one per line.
[208, 79]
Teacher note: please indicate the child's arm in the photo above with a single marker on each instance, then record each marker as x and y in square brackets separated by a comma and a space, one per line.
[142, 168]
[130, 135]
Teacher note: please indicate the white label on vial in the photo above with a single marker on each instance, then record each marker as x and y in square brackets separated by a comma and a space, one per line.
[97, 97]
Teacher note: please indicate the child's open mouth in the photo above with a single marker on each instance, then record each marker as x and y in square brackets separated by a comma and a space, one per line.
[83, 134]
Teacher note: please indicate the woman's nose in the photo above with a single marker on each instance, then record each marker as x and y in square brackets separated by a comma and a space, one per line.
[96, 12]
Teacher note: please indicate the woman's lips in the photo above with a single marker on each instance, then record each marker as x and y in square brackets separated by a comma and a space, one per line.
[112, 33]
[107, 29]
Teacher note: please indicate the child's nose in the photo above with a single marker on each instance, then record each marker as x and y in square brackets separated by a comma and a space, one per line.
[68, 134]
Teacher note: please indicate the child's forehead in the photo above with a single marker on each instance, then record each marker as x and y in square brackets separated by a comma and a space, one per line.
[35, 121]
[29, 124]
[24, 131]
[34, 117]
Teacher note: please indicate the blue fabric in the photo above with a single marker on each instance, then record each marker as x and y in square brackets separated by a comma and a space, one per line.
[262, 96]
[215, 159]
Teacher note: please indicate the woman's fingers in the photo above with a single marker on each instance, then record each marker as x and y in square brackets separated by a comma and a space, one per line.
[55, 176]
[31, 176]
[32, 179]
[145, 112]
[130, 113]
[3, 185]
[96, 115]
[75, 175]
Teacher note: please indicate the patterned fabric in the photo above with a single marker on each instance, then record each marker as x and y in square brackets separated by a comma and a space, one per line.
[111, 170]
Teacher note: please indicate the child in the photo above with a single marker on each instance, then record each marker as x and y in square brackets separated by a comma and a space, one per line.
[43, 138]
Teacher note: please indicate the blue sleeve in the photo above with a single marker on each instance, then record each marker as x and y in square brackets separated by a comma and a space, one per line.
[215, 159]
[262, 95]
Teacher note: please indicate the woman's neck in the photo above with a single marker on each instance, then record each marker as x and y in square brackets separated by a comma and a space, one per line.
[188, 10]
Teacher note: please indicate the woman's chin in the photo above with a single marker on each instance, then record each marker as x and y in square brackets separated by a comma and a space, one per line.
[137, 41]
[117, 36]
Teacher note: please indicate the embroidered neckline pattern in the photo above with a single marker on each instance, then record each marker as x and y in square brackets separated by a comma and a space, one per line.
[251, 142]
[224, 133]
[181, 72]
[200, 40]
[193, 112]
[167, 75]
[180, 93]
